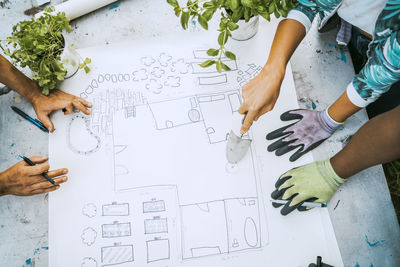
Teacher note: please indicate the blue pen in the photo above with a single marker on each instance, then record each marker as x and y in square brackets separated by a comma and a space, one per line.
[36, 122]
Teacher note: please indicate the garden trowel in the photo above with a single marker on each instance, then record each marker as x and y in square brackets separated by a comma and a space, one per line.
[238, 144]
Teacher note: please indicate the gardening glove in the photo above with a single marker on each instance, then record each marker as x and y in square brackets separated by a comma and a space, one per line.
[311, 129]
[314, 182]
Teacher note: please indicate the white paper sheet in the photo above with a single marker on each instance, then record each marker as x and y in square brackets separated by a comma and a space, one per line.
[149, 182]
[75, 8]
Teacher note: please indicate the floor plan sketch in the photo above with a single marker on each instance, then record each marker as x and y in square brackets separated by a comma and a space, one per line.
[117, 254]
[150, 183]
[157, 250]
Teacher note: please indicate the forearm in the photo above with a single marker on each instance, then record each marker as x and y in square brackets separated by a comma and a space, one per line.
[16, 80]
[342, 108]
[287, 38]
[376, 142]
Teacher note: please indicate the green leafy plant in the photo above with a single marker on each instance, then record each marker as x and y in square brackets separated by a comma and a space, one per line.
[204, 10]
[38, 44]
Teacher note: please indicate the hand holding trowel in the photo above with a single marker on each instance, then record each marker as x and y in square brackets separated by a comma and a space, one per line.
[238, 142]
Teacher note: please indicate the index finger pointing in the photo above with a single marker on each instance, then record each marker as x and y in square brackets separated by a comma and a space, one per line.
[248, 121]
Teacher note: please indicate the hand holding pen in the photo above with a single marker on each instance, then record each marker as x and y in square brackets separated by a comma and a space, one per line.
[25, 180]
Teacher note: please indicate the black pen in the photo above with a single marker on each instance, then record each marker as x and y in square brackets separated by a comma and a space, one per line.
[36, 122]
[30, 163]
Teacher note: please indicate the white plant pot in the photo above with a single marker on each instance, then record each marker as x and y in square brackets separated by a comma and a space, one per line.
[71, 60]
[246, 30]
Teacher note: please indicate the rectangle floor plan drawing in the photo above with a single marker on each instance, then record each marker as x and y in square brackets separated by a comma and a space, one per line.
[150, 182]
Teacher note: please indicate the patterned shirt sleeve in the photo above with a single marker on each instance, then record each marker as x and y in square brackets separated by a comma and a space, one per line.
[382, 69]
[306, 10]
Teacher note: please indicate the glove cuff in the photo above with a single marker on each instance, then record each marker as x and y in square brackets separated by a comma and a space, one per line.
[329, 124]
[329, 174]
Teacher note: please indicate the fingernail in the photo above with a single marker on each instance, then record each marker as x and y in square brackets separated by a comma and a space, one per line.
[65, 171]
[65, 178]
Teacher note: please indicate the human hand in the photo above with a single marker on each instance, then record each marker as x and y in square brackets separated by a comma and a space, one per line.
[56, 100]
[260, 95]
[314, 182]
[24, 180]
[311, 129]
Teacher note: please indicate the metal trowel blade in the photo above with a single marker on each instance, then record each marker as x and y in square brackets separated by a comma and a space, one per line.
[236, 147]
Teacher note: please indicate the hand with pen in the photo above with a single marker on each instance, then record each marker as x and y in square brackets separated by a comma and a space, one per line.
[43, 105]
[25, 180]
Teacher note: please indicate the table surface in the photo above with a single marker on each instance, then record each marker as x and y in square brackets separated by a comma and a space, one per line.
[361, 211]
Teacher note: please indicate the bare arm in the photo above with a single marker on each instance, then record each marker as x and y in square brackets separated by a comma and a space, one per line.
[43, 105]
[376, 142]
[16, 80]
[261, 93]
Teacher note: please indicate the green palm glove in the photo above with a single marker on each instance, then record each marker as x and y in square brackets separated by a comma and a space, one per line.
[314, 182]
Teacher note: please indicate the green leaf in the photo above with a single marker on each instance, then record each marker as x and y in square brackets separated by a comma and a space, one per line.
[271, 8]
[266, 16]
[219, 66]
[177, 11]
[235, 4]
[208, 5]
[208, 14]
[230, 55]
[247, 3]
[202, 22]
[247, 14]
[225, 67]
[207, 63]
[185, 19]
[238, 14]
[173, 3]
[222, 38]
[232, 25]
[87, 69]
[213, 52]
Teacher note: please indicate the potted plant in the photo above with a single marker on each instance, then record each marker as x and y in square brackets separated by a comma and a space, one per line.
[39, 44]
[235, 14]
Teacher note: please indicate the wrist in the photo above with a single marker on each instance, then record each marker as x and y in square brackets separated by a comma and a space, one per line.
[3, 187]
[276, 69]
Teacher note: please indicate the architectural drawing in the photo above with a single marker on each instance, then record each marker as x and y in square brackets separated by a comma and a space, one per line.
[227, 229]
[245, 75]
[153, 206]
[154, 147]
[89, 210]
[76, 134]
[156, 225]
[157, 250]
[116, 254]
[89, 262]
[116, 229]
[115, 209]
[88, 236]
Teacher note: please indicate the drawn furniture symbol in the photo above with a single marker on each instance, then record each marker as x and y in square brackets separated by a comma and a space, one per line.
[194, 115]
[78, 128]
[153, 206]
[116, 254]
[116, 229]
[250, 232]
[89, 210]
[88, 236]
[89, 262]
[156, 226]
[116, 209]
[157, 250]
